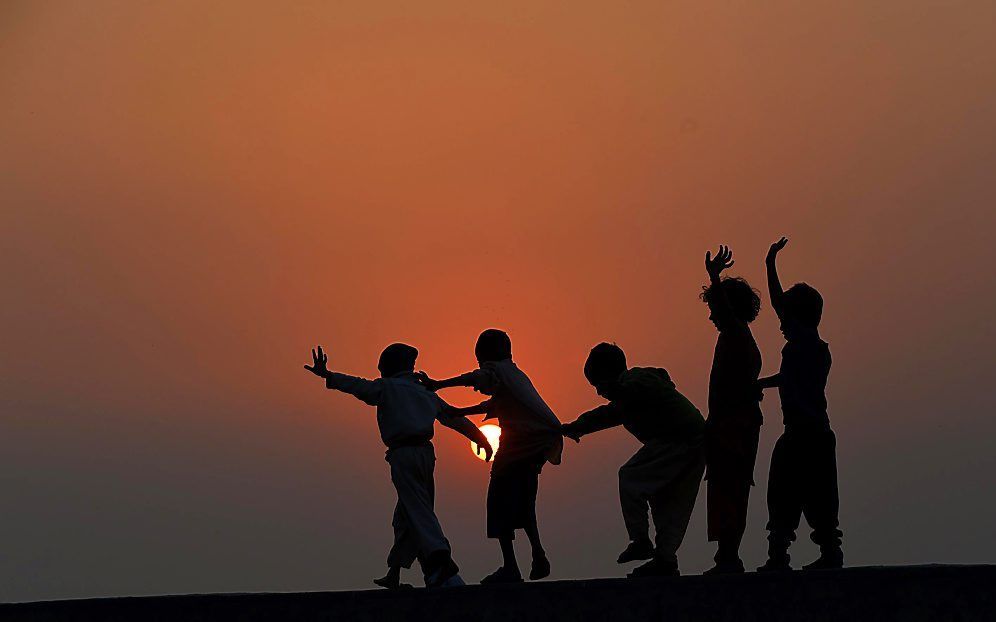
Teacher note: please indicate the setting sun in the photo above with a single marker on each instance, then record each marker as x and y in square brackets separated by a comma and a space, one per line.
[493, 434]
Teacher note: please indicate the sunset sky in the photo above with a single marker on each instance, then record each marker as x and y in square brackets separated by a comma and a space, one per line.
[194, 194]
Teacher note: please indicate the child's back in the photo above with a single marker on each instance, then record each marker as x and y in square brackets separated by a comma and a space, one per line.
[804, 371]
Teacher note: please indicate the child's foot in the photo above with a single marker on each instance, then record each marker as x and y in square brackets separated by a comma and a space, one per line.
[655, 568]
[392, 580]
[446, 569]
[726, 567]
[636, 551]
[540, 569]
[503, 575]
[776, 564]
[454, 581]
[828, 560]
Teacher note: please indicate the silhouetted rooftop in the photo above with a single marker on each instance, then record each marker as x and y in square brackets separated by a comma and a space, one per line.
[878, 594]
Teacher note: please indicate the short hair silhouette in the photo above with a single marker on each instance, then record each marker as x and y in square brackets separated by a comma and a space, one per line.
[493, 345]
[605, 362]
[744, 299]
[803, 304]
[396, 358]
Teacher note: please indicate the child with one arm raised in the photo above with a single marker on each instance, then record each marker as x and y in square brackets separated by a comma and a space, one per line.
[803, 475]
[734, 422]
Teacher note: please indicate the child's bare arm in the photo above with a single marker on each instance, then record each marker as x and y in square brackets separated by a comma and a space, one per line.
[602, 418]
[463, 411]
[774, 285]
[770, 382]
[463, 380]
[465, 427]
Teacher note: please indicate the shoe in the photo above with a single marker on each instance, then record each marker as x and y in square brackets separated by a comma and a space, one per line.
[540, 569]
[773, 564]
[447, 569]
[454, 581]
[636, 551]
[655, 568]
[502, 575]
[391, 583]
[728, 567]
[828, 560]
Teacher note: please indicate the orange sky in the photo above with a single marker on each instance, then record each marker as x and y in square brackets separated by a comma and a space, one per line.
[193, 196]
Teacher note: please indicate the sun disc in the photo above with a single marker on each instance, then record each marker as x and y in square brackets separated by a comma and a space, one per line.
[492, 433]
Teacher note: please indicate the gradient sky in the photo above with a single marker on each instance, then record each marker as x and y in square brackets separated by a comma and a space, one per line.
[193, 196]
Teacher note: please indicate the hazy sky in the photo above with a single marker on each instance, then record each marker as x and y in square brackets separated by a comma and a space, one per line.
[193, 194]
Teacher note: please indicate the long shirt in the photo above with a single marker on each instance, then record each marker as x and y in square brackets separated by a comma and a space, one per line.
[406, 410]
[649, 406]
[736, 365]
[529, 427]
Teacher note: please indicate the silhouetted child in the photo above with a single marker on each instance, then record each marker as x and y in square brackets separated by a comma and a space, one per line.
[734, 422]
[803, 475]
[406, 411]
[530, 437]
[665, 473]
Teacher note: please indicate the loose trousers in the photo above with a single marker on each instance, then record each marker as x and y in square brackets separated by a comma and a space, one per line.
[417, 533]
[803, 481]
[664, 476]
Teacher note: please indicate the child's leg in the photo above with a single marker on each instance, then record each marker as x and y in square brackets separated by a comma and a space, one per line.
[532, 532]
[672, 505]
[784, 502]
[639, 479]
[411, 472]
[821, 500]
[405, 548]
[507, 544]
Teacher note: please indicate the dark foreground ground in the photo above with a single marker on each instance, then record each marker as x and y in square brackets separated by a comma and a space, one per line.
[875, 594]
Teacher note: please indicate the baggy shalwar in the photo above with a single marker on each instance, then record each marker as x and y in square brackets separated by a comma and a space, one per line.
[417, 533]
[665, 476]
[803, 481]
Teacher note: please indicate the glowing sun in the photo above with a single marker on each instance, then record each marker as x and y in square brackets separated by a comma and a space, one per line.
[492, 433]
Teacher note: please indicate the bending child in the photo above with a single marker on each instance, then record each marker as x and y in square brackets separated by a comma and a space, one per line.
[803, 475]
[665, 473]
[734, 422]
[406, 412]
[530, 437]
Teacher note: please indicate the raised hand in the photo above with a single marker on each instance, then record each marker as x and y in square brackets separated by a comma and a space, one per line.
[487, 449]
[319, 363]
[722, 261]
[777, 246]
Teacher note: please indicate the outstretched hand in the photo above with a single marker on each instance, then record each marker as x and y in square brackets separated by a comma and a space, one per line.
[487, 449]
[570, 433]
[722, 261]
[426, 381]
[777, 246]
[319, 363]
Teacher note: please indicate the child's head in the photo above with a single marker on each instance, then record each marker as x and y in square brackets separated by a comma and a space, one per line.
[744, 300]
[493, 345]
[397, 358]
[605, 363]
[802, 307]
